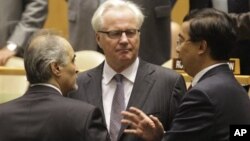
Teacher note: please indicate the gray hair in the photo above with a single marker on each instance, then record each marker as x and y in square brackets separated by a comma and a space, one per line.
[45, 48]
[97, 20]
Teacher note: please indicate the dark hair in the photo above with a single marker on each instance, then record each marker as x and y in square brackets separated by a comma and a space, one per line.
[216, 28]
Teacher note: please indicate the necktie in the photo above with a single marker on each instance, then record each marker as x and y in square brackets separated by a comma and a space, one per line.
[118, 105]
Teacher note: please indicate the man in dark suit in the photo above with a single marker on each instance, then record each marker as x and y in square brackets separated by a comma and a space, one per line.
[155, 31]
[216, 100]
[239, 10]
[43, 113]
[154, 89]
[19, 20]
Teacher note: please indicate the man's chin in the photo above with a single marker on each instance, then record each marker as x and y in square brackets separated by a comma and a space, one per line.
[74, 88]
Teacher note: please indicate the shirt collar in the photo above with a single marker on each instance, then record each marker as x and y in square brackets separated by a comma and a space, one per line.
[48, 85]
[129, 73]
[198, 76]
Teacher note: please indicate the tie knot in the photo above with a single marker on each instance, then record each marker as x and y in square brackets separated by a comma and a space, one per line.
[118, 77]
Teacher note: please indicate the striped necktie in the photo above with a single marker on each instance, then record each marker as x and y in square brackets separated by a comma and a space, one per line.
[118, 105]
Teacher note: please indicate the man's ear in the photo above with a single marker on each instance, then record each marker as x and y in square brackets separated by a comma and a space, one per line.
[97, 38]
[55, 69]
[203, 47]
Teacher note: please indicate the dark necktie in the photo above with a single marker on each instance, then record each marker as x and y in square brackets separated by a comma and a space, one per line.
[118, 105]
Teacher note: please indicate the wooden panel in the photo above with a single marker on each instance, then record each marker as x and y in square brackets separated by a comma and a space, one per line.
[57, 16]
[180, 9]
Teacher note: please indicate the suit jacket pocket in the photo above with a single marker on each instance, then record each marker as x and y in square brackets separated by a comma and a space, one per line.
[162, 11]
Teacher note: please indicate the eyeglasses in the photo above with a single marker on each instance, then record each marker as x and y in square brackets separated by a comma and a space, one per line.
[116, 34]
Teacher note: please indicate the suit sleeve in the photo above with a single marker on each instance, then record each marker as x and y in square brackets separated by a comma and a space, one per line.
[193, 120]
[95, 127]
[33, 18]
[177, 94]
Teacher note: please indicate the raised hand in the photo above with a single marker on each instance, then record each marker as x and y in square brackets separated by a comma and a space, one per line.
[147, 127]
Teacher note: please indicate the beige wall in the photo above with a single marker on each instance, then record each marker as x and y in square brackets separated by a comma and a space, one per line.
[57, 18]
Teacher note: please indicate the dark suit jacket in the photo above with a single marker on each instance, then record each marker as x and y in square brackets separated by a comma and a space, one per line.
[20, 19]
[43, 114]
[210, 107]
[155, 31]
[156, 91]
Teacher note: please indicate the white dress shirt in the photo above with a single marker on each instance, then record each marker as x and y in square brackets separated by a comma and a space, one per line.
[48, 85]
[109, 86]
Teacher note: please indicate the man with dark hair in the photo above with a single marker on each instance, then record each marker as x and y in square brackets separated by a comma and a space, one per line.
[43, 113]
[239, 11]
[216, 100]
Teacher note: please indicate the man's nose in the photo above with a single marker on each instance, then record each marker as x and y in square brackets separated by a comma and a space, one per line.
[124, 37]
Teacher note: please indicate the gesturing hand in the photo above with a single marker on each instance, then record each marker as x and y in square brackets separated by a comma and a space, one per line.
[147, 127]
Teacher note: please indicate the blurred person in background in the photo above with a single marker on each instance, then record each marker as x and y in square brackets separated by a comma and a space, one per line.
[19, 19]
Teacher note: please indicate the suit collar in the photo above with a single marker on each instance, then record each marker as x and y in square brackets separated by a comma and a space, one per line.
[221, 68]
[42, 89]
[129, 73]
[198, 76]
[48, 85]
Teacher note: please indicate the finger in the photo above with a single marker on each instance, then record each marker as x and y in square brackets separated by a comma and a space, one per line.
[147, 124]
[129, 123]
[134, 132]
[138, 112]
[130, 116]
[157, 122]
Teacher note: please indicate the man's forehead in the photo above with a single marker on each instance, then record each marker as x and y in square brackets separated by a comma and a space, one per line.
[184, 29]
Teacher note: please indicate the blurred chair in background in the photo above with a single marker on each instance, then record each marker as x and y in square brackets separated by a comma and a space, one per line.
[88, 59]
[15, 62]
[12, 85]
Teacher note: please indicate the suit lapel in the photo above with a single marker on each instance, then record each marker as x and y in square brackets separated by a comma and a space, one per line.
[143, 83]
[94, 88]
